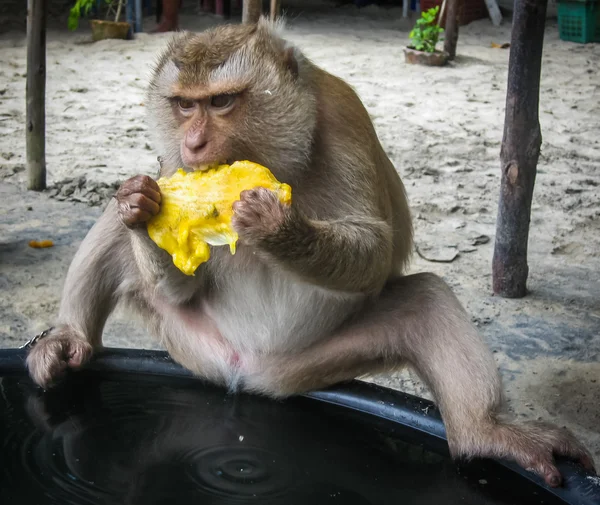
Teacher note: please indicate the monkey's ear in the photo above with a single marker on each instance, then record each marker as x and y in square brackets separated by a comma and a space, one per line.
[289, 58]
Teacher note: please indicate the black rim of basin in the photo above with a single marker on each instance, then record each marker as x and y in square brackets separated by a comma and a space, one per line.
[408, 410]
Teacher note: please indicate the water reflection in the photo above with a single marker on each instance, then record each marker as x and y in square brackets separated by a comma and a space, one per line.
[144, 440]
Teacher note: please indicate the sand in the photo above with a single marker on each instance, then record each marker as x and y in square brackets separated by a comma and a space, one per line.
[442, 127]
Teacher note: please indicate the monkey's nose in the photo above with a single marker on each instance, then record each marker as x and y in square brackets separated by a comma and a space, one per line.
[195, 140]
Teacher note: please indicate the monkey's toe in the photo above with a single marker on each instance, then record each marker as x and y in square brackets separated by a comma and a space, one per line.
[552, 476]
[542, 464]
[564, 444]
[587, 462]
[533, 445]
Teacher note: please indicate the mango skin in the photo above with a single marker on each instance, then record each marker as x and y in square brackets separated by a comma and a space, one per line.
[197, 208]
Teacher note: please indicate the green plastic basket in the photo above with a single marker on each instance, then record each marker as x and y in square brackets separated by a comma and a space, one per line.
[578, 21]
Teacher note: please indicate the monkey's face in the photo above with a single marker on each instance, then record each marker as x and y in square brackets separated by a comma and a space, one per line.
[205, 126]
[228, 94]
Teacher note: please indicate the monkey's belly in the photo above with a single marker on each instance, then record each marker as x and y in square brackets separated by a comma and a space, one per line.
[248, 313]
[272, 312]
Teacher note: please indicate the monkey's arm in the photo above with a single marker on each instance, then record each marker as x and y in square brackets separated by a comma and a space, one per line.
[92, 284]
[353, 254]
[90, 294]
[348, 254]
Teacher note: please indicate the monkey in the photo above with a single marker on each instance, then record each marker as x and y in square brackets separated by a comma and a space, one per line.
[317, 292]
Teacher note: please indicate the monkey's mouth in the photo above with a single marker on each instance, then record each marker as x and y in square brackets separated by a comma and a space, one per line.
[203, 167]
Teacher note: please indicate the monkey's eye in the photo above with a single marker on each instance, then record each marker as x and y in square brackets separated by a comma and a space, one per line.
[222, 101]
[185, 104]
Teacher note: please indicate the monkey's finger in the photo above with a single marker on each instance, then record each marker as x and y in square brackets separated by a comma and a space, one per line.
[140, 184]
[247, 194]
[259, 194]
[78, 354]
[245, 216]
[244, 207]
[154, 195]
[152, 184]
[134, 216]
[140, 201]
[256, 202]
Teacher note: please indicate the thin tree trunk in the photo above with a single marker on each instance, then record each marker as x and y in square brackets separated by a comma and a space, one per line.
[35, 94]
[520, 149]
[118, 13]
[275, 9]
[451, 32]
[251, 11]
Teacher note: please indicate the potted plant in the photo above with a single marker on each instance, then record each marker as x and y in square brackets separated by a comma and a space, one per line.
[101, 29]
[425, 36]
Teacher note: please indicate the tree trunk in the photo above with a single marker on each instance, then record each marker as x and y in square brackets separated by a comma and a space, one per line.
[275, 9]
[35, 94]
[520, 149]
[451, 31]
[251, 11]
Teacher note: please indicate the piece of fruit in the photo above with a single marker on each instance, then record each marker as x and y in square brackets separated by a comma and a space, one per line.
[197, 207]
[40, 244]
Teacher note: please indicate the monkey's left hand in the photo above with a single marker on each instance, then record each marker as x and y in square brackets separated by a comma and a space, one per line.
[258, 214]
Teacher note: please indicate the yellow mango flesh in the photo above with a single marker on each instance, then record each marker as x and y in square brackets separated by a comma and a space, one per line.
[197, 207]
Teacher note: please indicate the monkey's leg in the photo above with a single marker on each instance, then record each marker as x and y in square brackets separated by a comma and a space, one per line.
[89, 296]
[418, 319]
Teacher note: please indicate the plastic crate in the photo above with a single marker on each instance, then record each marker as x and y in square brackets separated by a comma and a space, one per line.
[578, 20]
[470, 10]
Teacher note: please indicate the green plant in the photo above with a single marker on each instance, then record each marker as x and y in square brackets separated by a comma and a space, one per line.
[426, 33]
[84, 6]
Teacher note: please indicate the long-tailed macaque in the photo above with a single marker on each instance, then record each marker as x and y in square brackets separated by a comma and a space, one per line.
[315, 293]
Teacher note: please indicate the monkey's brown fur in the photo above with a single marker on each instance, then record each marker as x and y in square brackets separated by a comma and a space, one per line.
[315, 294]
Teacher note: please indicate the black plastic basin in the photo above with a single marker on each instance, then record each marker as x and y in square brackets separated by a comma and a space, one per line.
[135, 428]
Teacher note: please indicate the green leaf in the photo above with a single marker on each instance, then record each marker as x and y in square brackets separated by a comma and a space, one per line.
[426, 32]
[73, 21]
[75, 12]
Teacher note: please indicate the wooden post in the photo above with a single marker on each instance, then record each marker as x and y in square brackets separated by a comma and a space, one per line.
[520, 148]
[251, 11]
[275, 9]
[451, 31]
[35, 94]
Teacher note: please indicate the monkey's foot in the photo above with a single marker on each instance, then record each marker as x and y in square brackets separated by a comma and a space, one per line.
[533, 446]
[49, 359]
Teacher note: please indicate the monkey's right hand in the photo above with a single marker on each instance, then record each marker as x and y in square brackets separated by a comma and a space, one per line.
[51, 356]
[138, 200]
